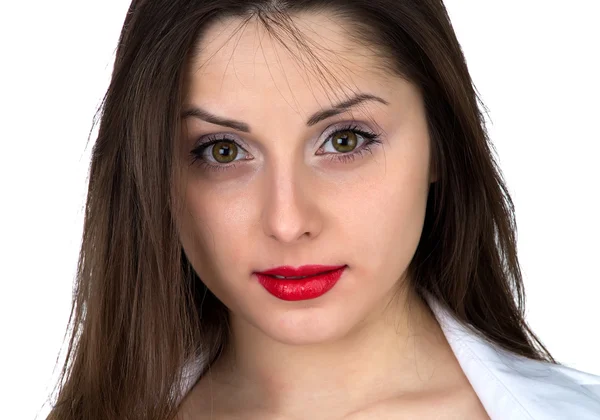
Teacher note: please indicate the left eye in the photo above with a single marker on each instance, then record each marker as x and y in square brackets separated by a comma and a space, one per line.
[345, 141]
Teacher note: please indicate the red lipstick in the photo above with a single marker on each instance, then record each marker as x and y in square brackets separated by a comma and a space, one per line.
[302, 283]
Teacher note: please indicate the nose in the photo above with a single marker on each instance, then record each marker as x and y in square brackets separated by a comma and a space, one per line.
[291, 205]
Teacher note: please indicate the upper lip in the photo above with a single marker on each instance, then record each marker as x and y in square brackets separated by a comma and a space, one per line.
[302, 271]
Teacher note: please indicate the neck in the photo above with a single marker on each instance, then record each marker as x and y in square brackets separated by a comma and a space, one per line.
[383, 357]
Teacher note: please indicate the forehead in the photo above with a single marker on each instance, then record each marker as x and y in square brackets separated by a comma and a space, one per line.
[237, 63]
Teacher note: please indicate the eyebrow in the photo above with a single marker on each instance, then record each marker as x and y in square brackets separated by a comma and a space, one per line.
[317, 117]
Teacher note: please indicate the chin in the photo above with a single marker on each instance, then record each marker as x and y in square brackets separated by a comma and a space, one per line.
[305, 326]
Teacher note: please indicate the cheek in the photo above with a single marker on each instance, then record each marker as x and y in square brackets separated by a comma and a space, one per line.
[387, 218]
[215, 228]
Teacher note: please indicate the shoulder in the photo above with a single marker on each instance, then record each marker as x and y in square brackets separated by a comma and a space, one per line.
[544, 390]
[520, 388]
[516, 387]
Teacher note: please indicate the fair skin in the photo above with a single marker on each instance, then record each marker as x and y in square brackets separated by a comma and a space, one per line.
[355, 352]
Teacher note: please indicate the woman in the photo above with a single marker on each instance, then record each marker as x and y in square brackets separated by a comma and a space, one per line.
[294, 213]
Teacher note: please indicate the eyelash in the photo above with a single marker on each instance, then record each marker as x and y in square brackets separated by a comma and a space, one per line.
[370, 140]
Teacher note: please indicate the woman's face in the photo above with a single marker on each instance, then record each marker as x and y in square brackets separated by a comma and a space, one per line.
[285, 192]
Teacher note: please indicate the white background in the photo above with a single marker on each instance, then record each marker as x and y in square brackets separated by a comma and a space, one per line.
[535, 63]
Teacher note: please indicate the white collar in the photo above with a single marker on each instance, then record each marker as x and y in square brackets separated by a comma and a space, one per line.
[514, 387]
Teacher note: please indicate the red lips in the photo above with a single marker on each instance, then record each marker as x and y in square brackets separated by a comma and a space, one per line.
[303, 271]
[302, 283]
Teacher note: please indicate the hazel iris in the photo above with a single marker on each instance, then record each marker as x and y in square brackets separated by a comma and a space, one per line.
[224, 151]
[344, 141]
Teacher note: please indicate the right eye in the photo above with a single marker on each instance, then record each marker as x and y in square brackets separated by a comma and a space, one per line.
[217, 153]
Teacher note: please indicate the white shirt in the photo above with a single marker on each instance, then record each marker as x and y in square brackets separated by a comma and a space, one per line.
[509, 386]
[513, 387]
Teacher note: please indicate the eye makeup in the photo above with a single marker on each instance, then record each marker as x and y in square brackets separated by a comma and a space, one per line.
[204, 153]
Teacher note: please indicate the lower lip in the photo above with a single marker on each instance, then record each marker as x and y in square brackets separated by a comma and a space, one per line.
[300, 289]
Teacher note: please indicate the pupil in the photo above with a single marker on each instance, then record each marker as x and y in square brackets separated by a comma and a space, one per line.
[224, 150]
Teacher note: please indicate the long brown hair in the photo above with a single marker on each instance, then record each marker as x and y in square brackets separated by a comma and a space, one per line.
[140, 312]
